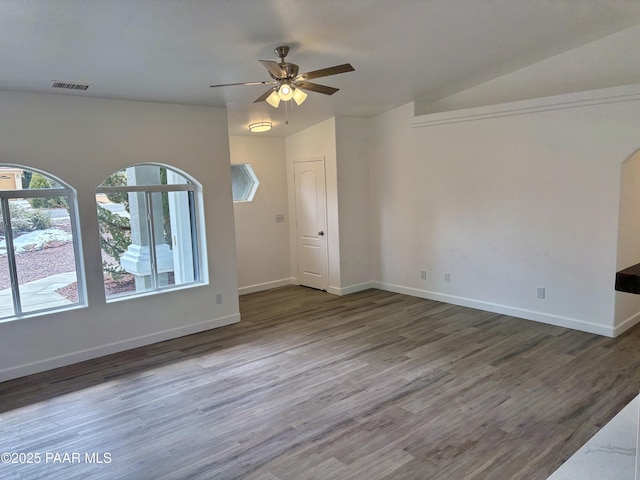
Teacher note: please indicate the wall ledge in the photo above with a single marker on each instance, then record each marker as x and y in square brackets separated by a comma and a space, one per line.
[627, 93]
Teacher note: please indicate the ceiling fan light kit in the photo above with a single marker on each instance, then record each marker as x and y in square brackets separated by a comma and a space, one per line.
[288, 83]
[285, 92]
[273, 99]
[299, 96]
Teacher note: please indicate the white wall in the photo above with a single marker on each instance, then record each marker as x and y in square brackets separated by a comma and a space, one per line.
[628, 304]
[505, 205]
[264, 256]
[315, 143]
[82, 141]
[353, 202]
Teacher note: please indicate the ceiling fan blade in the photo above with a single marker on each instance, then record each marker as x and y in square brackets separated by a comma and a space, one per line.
[274, 68]
[244, 83]
[325, 72]
[264, 96]
[314, 87]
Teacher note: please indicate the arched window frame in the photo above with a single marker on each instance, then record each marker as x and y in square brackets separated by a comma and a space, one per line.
[193, 190]
[63, 191]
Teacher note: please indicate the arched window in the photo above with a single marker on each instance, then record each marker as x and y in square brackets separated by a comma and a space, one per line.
[40, 268]
[148, 220]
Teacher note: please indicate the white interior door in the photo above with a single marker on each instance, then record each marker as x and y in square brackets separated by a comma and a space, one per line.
[311, 223]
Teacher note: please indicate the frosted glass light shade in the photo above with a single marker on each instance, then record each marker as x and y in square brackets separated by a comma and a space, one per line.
[285, 92]
[273, 99]
[259, 127]
[299, 96]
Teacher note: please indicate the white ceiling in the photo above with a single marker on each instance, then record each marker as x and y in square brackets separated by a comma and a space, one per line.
[172, 50]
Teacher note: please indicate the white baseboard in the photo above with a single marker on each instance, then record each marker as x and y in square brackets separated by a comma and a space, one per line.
[102, 350]
[266, 286]
[556, 320]
[358, 287]
[627, 324]
[293, 281]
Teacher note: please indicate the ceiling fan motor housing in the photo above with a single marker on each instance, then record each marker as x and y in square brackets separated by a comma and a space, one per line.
[290, 71]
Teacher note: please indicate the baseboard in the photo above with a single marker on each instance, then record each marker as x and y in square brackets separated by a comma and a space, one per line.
[358, 287]
[100, 351]
[556, 320]
[266, 286]
[293, 281]
[626, 324]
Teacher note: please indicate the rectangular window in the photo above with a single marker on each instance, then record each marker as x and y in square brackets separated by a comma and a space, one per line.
[147, 220]
[39, 265]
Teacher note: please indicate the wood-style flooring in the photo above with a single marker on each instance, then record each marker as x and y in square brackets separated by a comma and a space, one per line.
[374, 385]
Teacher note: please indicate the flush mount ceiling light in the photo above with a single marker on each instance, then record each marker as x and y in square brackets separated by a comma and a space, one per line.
[260, 127]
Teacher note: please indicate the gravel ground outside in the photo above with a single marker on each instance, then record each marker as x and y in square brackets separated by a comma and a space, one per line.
[39, 264]
[34, 265]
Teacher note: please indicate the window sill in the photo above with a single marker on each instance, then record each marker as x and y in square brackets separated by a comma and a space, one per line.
[131, 296]
[42, 313]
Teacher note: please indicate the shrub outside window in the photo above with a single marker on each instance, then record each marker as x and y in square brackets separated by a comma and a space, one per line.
[244, 182]
[147, 216]
[39, 244]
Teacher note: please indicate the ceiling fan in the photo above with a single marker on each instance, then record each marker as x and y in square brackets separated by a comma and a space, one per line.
[288, 83]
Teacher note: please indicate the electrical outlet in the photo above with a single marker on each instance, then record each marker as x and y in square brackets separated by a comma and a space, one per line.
[218, 298]
[447, 278]
[541, 293]
[423, 274]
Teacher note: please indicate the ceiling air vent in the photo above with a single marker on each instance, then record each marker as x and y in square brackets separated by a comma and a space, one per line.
[70, 86]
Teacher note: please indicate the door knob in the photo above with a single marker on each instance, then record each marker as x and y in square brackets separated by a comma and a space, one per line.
[321, 233]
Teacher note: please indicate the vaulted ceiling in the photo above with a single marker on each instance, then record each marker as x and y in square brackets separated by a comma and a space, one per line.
[172, 50]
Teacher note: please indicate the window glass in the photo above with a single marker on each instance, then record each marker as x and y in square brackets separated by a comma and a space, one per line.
[6, 298]
[114, 223]
[244, 182]
[44, 256]
[145, 174]
[15, 178]
[39, 264]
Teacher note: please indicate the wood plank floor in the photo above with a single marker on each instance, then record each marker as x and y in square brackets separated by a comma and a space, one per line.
[374, 385]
